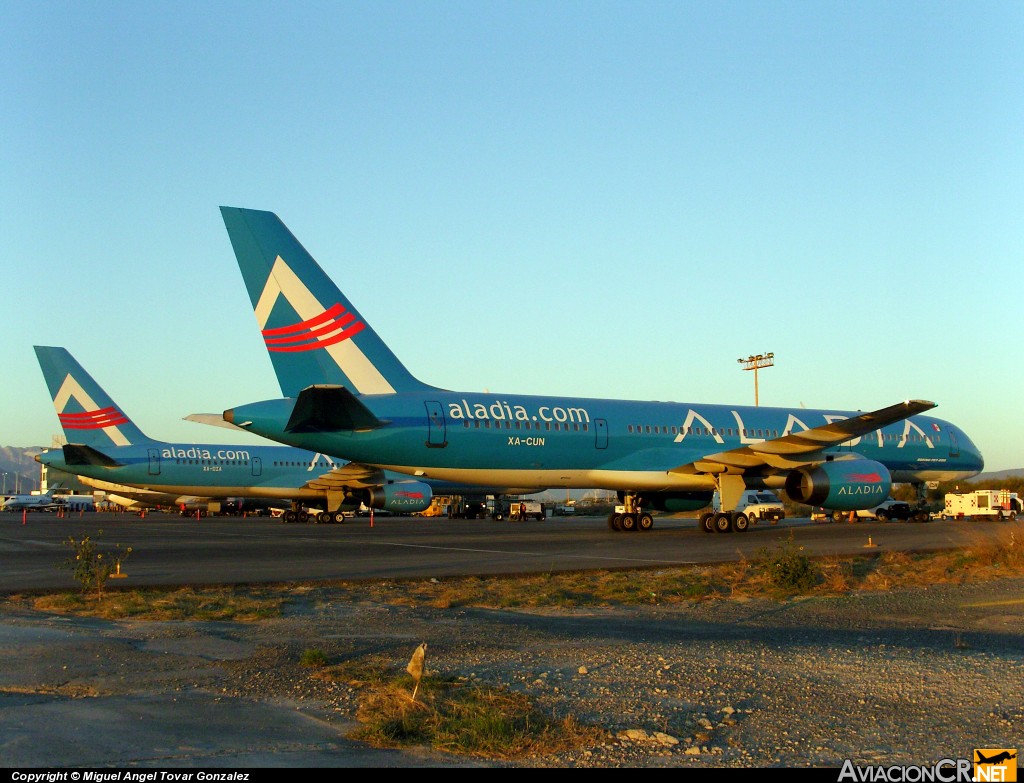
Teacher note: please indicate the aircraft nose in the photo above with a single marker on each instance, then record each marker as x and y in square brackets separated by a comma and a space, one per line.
[229, 415]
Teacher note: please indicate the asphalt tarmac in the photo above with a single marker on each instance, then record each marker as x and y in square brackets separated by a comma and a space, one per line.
[168, 550]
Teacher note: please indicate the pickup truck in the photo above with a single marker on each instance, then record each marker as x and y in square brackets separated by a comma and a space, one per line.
[885, 511]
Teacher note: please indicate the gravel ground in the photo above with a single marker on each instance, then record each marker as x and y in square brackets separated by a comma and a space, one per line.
[903, 677]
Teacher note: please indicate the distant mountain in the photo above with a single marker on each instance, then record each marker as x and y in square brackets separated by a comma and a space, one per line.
[22, 472]
[999, 475]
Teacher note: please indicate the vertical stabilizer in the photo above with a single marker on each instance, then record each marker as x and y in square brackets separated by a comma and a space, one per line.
[313, 333]
[87, 413]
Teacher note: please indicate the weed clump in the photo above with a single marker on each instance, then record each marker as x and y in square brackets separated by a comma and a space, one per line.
[313, 658]
[789, 569]
[91, 567]
[454, 715]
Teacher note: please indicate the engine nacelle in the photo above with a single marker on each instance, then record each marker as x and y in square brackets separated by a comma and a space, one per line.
[403, 497]
[675, 501]
[844, 485]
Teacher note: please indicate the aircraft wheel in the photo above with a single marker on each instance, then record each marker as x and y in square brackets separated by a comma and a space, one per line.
[288, 517]
[644, 522]
[323, 518]
[628, 522]
[741, 524]
[338, 518]
[837, 516]
[881, 516]
[707, 522]
[723, 523]
[615, 521]
[303, 517]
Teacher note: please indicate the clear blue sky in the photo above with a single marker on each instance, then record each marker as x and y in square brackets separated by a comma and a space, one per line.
[606, 199]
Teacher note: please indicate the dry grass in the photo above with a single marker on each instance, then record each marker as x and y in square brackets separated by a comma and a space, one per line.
[213, 603]
[459, 716]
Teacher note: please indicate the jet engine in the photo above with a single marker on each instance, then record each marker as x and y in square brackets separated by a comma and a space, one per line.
[845, 485]
[402, 497]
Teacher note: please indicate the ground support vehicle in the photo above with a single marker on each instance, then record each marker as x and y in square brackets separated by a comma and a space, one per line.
[982, 504]
[752, 507]
[885, 511]
[519, 510]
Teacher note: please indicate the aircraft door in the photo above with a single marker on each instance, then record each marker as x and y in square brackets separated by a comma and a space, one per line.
[601, 433]
[954, 445]
[257, 466]
[154, 462]
[437, 437]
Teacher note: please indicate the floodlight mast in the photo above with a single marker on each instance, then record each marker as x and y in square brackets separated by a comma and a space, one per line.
[755, 363]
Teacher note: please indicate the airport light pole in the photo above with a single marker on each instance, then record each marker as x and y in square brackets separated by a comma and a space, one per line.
[755, 363]
[5, 482]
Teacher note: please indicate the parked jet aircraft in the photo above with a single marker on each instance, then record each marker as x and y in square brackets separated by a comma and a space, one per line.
[347, 394]
[42, 502]
[108, 451]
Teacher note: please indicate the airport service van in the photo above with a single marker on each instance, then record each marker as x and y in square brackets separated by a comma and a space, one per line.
[756, 506]
[983, 503]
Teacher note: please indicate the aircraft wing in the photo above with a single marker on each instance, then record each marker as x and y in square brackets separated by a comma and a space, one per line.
[804, 447]
[348, 476]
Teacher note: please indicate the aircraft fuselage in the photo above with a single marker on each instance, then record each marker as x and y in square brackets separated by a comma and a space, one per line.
[613, 444]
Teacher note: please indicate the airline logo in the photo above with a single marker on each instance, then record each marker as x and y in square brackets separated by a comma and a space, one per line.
[995, 764]
[317, 328]
[92, 420]
[106, 419]
[330, 327]
[865, 478]
[409, 495]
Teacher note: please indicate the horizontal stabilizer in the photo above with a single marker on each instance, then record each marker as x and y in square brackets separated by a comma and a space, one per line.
[330, 409]
[214, 420]
[78, 454]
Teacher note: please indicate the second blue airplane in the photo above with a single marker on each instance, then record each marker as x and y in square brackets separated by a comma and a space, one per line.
[108, 451]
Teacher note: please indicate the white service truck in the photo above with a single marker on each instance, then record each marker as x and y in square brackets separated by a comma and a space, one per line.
[758, 506]
[982, 503]
[518, 510]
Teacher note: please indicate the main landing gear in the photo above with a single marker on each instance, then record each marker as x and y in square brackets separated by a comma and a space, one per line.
[629, 516]
[298, 514]
[724, 522]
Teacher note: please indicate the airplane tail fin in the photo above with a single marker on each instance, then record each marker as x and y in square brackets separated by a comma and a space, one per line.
[313, 333]
[87, 414]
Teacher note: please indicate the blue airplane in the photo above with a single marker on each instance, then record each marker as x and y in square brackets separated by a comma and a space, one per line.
[106, 450]
[347, 394]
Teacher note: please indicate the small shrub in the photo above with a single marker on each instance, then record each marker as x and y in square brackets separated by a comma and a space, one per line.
[314, 658]
[789, 569]
[92, 568]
